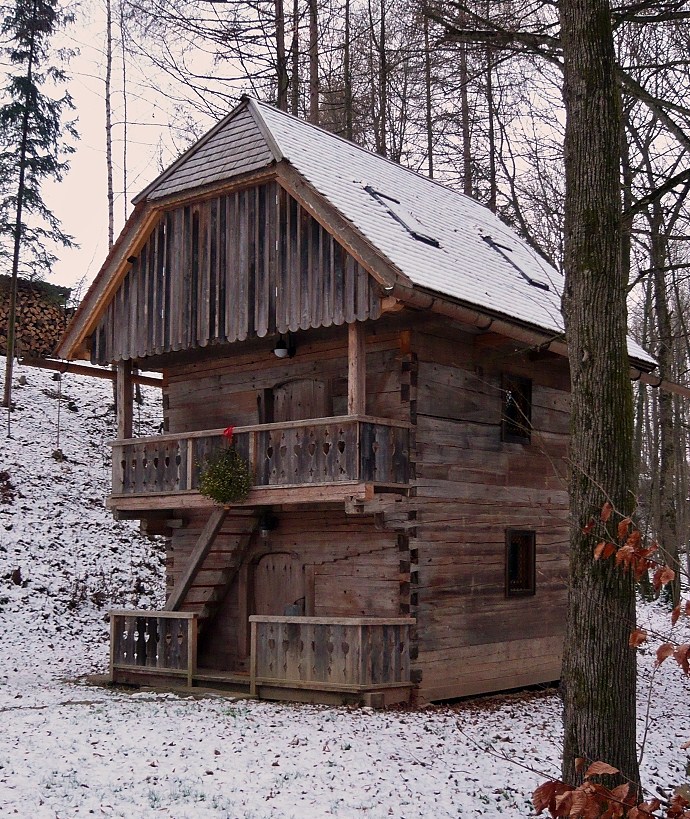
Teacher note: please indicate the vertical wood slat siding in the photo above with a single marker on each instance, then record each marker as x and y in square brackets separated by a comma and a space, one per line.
[251, 263]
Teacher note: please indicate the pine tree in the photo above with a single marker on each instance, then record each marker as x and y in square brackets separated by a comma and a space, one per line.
[32, 148]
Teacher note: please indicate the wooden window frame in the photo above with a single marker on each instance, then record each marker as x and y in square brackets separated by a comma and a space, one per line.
[516, 421]
[524, 584]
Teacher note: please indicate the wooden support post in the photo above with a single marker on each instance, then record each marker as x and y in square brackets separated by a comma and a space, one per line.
[356, 370]
[125, 399]
[196, 559]
[113, 618]
[192, 633]
[252, 660]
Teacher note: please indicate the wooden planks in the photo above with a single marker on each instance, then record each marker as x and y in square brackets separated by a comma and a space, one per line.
[337, 653]
[196, 559]
[246, 264]
[163, 642]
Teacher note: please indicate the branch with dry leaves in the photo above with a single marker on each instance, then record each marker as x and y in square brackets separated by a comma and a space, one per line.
[591, 799]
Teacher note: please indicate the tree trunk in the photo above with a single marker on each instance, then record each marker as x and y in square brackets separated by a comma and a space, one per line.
[294, 80]
[465, 113]
[668, 525]
[599, 671]
[125, 114]
[427, 99]
[282, 78]
[313, 63]
[493, 188]
[109, 120]
[19, 208]
[383, 83]
[347, 74]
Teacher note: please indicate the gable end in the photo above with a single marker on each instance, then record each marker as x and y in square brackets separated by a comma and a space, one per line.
[245, 264]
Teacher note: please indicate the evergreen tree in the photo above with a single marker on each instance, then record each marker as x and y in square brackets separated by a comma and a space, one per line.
[32, 147]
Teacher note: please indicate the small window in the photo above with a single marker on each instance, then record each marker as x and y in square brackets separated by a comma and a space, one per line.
[520, 562]
[516, 415]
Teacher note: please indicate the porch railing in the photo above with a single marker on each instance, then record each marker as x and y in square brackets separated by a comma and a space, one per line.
[352, 655]
[341, 653]
[315, 451]
[162, 642]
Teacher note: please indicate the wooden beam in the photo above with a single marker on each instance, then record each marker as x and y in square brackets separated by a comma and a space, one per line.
[125, 399]
[84, 369]
[334, 493]
[356, 370]
[196, 559]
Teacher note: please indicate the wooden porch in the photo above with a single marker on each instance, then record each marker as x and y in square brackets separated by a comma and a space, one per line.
[314, 659]
[343, 453]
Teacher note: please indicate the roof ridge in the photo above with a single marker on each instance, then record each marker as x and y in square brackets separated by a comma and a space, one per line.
[274, 108]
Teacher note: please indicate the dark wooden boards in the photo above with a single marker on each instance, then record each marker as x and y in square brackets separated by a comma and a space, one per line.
[246, 264]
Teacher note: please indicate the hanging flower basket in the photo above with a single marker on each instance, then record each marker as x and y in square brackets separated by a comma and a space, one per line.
[225, 477]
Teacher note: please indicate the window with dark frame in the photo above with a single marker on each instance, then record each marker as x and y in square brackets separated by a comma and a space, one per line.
[521, 554]
[516, 411]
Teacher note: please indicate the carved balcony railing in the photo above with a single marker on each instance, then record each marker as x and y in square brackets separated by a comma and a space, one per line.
[159, 643]
[355, 654]
[293, 453]
[347, 655]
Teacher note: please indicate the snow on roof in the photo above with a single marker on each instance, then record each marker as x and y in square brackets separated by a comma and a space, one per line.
[441, 239]
[470, 262]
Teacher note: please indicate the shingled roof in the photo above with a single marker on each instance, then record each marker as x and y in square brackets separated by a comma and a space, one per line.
[434, 238]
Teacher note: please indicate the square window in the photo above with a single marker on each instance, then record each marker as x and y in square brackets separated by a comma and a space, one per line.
[520, 562]
[516, 410]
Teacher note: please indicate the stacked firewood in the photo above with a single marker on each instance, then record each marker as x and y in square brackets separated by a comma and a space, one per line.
[41, 317]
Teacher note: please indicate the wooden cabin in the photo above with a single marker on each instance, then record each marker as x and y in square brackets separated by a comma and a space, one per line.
[390, 356]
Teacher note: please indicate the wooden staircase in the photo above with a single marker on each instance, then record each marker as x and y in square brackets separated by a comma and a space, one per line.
[212, 567]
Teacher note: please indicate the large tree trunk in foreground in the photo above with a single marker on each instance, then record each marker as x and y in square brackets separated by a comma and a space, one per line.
[599, 667]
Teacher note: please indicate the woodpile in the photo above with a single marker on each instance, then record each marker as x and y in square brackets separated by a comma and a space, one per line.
[41, 317]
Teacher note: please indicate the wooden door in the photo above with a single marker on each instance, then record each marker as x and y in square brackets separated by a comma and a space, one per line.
[300, 399]
[278, 585]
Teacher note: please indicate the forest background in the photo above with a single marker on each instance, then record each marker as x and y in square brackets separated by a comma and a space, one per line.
[468, 93]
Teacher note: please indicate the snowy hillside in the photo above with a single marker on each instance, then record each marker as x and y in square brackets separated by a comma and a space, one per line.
[68, 749]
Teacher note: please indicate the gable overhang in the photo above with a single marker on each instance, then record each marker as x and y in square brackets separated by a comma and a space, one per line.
[365, 252]
[246, 104]
[75, 342]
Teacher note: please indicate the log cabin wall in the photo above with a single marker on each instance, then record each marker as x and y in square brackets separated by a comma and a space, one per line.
[350, 566]
[342, 567]
[246, 264]
[216, 392]
[471, 487]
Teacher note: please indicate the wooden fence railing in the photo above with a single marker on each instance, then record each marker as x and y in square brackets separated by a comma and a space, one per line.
[315, 451]
[327, 653]
[163, 642]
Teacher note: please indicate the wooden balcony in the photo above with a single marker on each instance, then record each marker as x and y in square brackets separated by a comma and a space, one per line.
[322, 659]
[338, 452]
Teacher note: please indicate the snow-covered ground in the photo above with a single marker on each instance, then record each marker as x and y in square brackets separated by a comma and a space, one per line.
[69, 749]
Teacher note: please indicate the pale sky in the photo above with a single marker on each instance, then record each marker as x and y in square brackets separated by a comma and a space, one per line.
[80, 200]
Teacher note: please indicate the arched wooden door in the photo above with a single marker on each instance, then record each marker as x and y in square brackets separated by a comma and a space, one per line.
[300, 399]
[278, 585]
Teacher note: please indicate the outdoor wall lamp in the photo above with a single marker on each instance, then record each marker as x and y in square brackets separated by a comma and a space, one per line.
[285, 346]
[267, 523]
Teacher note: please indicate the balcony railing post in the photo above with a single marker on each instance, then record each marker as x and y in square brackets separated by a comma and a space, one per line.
[252, 456]
[113, 619]
[189, 467]
[252, 660]
[192, 632]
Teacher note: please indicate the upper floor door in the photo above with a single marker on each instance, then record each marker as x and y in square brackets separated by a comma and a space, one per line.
[300, 399]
